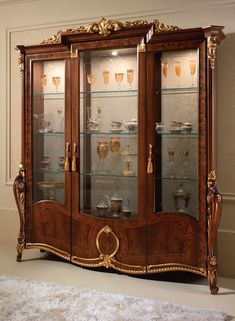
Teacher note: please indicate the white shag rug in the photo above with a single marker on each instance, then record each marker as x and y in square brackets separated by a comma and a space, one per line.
[29, 300]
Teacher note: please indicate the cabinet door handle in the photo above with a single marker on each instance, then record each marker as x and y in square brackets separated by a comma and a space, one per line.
[150, 159]
[74, 158]
[67, 160]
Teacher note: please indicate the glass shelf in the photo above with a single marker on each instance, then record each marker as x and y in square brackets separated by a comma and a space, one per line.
[109, 133]
[190, 179]
[169, 134]
[108, 174]
[50, 95]
[109, 93]
[49, 133]
[108, 214]
[178, 90]
[50, 171]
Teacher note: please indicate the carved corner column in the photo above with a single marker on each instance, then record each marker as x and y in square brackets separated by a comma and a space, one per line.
[214, 203]
[19, 193]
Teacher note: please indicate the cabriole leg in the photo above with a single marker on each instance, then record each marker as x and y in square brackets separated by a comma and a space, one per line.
[19, 193]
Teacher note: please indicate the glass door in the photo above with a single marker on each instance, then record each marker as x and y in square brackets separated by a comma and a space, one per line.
[109, 133]
[48, 131]
[176, 140]
[176, 185]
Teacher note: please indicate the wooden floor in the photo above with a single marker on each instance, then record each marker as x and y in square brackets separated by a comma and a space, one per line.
[191, 290]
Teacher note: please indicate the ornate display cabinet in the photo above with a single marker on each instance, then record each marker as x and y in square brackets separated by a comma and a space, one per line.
[118, 149]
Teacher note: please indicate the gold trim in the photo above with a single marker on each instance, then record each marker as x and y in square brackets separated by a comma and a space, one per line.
[175, 267]
[211, 179]
[136, 269]
[19, 193]
[161, 27]
[73, 53]
[49, 248]
[105, 27]
[211, 48]
[20, 63]
[150, 160]
[107, 258]
[141, 47]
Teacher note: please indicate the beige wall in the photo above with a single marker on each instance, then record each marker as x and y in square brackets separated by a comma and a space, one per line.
[31, 21]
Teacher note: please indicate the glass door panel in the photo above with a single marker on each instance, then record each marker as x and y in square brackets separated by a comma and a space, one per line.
[176, 184]
[48, 111]
[109, 133]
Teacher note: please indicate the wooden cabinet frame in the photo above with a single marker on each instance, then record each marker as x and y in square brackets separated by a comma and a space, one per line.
[127, 246]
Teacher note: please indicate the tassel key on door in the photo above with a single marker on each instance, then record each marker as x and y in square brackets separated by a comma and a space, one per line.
[150, 159]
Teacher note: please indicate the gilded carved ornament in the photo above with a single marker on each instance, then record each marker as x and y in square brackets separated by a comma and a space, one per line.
[161, 27]
[105, 257]
[21, 63]
[211, 47]
[214, 207]
[105, 27]
[19, 193]
[211, 179]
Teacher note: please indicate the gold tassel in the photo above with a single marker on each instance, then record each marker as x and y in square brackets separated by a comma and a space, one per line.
[150, 167]
[150, 160]
[66, 164]
[74, 167]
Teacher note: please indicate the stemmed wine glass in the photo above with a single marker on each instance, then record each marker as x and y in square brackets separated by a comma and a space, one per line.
[192, 67]
[91, 79]
[165, 71]
[60, 125]
[185, 155]
[171, 158]
[102, 151]
[130, 76]
[119, 78]
[178, 70]
[56, 81]
[106, 78]
[43, 82]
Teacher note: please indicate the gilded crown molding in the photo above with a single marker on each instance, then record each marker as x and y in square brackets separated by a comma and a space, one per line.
[105, 27]
[161, 27]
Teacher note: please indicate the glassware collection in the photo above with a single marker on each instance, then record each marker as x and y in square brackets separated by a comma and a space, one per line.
[118, 77]
[110, 136]
[178, 74]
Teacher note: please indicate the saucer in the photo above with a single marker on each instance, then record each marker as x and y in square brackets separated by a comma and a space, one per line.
[175, 131]
[116, 131]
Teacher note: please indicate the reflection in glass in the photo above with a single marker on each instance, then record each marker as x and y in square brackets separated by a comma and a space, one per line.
[45, 162]
[43, 82]
[192, 67]
[171, 157]
[181, 198]
[185, 155]
[165, 71]
[91, 79]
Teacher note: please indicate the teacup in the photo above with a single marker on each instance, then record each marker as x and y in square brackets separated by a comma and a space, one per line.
[115, 125]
